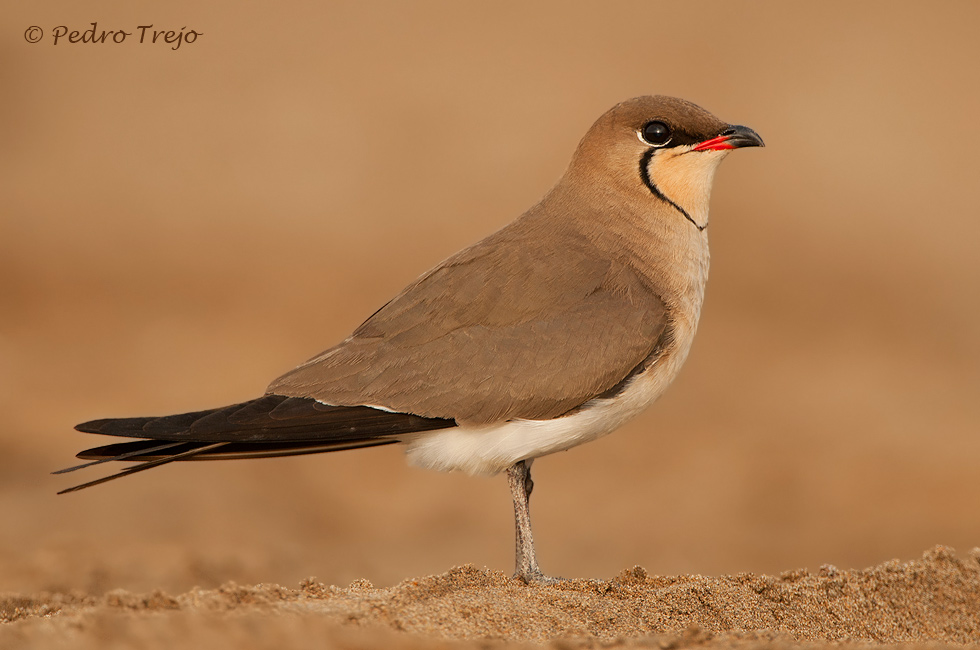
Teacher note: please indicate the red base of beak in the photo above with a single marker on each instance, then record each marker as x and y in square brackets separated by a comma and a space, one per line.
[715, 144]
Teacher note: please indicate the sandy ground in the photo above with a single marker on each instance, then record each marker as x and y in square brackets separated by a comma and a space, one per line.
[932, 600]
[178, 227]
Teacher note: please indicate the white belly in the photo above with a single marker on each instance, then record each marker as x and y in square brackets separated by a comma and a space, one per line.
[487, 450]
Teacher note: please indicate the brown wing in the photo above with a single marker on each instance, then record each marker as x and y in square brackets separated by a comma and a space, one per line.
[505, 329]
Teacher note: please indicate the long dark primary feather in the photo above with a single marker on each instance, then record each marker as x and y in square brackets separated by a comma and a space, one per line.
[143, 450]
[272, 418]
[270, 426]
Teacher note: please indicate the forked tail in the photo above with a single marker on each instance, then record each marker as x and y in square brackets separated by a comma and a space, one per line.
[270, 426]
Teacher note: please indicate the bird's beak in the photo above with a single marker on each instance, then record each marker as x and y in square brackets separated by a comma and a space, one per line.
[734, 137]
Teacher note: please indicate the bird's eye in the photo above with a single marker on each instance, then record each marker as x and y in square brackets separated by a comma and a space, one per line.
[655, 133]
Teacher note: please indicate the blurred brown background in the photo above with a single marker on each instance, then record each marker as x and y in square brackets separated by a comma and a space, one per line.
[179, 227]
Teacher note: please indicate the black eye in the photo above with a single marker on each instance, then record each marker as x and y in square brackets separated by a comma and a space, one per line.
[655, 133]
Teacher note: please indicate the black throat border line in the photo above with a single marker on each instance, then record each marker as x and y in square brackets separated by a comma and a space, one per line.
[645, 175]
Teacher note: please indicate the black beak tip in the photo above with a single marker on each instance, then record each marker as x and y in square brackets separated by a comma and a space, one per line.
[742, 136]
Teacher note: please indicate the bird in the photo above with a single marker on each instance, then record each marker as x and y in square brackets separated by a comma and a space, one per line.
[549, 333]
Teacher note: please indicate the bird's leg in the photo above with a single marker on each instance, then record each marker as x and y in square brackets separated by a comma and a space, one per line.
[519, 479]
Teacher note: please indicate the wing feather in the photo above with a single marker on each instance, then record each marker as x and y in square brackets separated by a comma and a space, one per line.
[506, 329]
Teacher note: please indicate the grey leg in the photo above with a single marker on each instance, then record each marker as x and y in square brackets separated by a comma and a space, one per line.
[519, 479]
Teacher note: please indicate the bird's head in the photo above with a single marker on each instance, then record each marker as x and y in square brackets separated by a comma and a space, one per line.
[659, 149]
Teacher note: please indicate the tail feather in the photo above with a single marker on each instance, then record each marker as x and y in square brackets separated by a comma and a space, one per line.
[150, 464]
[138, 451]
[270, 426]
